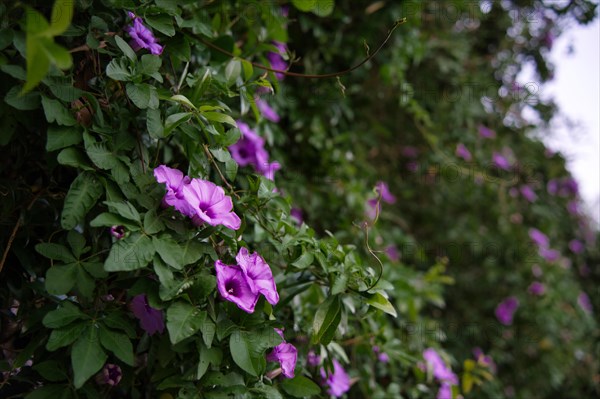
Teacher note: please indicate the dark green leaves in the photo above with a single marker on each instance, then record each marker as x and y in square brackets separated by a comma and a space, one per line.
[178, 255]
[143, 95]
[131, 253]
[248, 349]
[118, 343]
[66, 313]
[326, 320]
[300, 387]
[83, 194]
[380, 302]
[87, 356]
[183, 321]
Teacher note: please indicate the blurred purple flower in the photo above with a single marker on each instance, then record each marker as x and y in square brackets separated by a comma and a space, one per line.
[552, 187]
[266, 110]
[536, 270]
[233, 286]
[439, 369]
[111, 374]
[312, 358]
[250, 150]
[536, 288]
[513, 192]
[584, 301]
[338, 381]
[573, 207]
[258, 275]
[500, 161]
[506, 309]
[486, 132]
[296, 214]
[118, 232]
[151, 319]
[463, 152]
[383, 357]
[392, 253]
[210, 204]
[576, 246]
[286, 354]
[142, 37]
[373, 208]
[409, 151]
[540, 239]
[486, 360]
[384, 191]
[569, 186]
[276, 60]
[528, 193]
[445, 391]
[550, 255]
[175, 181]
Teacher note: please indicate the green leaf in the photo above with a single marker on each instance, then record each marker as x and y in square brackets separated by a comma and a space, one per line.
[233, 71]
[37, 60]
[118, 343]
[326, 320]
[162, 23]
[248, 348]
[56, 112]
[55, 251]
[340, 284]
[304, 261]
[22, 102]
[83, 194]
[87, 356]
[65, 314]
[125, 48]
[100, 155]
[62, 14]
[108, 220]
[152, 223]
[131, 253]
[154, 124]
[51, 370]
[52, 391]
[220, 118]
[300, 387]
[125, 209]
[183, 321]
[175, 120]
[248, 70]
[61, 137]
[61, 278]
[77, 242]
[380, 302]
[57, 55]
[242, 354]
[178, 255]
[149, 64]
[207, 356]
[117, 321]
[71, 156]
[117, 69]
[64, 336]
[142, 95]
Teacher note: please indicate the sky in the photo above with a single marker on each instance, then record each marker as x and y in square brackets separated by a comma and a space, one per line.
[576, 90]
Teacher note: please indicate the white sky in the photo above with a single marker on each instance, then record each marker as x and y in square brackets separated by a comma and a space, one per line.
[576, 90]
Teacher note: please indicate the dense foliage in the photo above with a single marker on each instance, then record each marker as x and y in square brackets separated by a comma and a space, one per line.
[183, 219]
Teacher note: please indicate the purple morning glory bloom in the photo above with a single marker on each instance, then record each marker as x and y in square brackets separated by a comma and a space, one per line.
[175, 181]
[151, 319]
[500, 161]
[118, 232]
[286, 354]
[266, 110]
[550, 255]
[268, 170]
[570, 187]
[486, 132]
[573, 207]
[540, 239]
[338, 381]
[463, 152]
[210, 204]
[258, 275]
[250, 150]
[276, 60]
[486, 360]
[233, 286]
[439, 369]
[296, 214]
[528, 193]
[142, 37]
[536, 288]
[383, 189]
[111, 374]
[552, 187]
[576, 246]
[392, 253]
[373, 208]
[584, 302]
[506, 309]
[312, 358]
[445, 391]
[383, 357]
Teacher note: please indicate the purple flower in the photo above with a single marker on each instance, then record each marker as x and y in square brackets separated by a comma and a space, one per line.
[536, 270]
[266, 110]
[118, 232]
[486, 360]
[312, 358]
[111, 374]
[536, 288]
[276, 60]
[250, 150]
[550, 255]
[142, 37]
[445, 391]
[373, 208]
[233, 286]
[392, 253]
[573, 207]
[439, 369]
[383, 190]
[506, 309]
[584, 301]
[151, 319]
[528, 193]
[570, 187]
[258, 275]
[539, 238]
[296, 214]
[175, 181]
[576, 246]
[338, 381]
[286, 354]
[410, 152]
[513, 192]
[463, 152]
[383, 357]
[210, 204]
[552, 187]
[500, 161]
[486, 132]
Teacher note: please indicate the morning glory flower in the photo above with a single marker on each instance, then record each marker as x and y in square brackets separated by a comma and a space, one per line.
[540, 239]
[276, 60]
[296, 214]
[233, 286]
[550, 255]
[118, 232]
[286, 354]
[338, 381]
[210, 204]
[383, 190]
[584, 302]
[250, 150]
[576, 246]
[485, 360]
[312, 358]
[528, 193]
[266, 110]
[439, 369]
[392, 252]
[142, 37]
[151, 319]
[500, 161]
[486, 132]
[506, 309]
[258, 275]
[445, 391]
[111, 374]
[463, 152]
[536, 288]
[175, 181]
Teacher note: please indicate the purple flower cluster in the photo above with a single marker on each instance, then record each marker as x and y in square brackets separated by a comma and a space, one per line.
[543, 244]
[381, 356]
[276, 60]
[243, 282]
[506, 310]
[250, 150]
[528, 193]
[151, 319]
[142, 37]
[200, 200]
[536, 288]
[440, 372]
[564, 187]
[576, 246]
[286, 354]
[501, 161]
[463, 152]
[338, 381]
